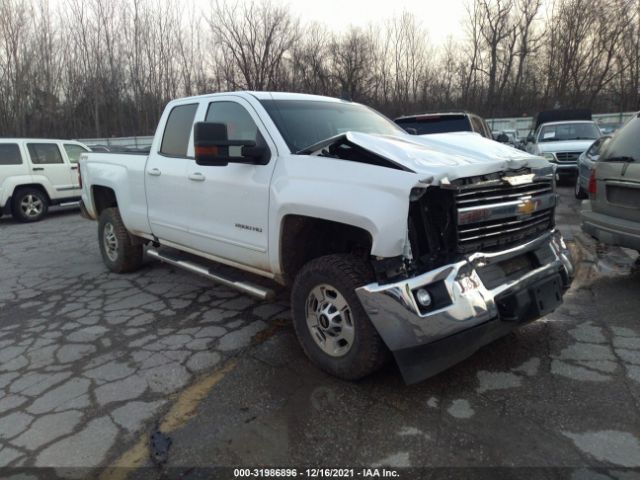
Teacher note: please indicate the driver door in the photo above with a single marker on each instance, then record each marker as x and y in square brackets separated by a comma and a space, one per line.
[230, 204]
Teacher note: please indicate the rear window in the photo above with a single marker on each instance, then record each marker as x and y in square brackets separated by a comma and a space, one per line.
[175, 139]
[44, 153]
[437, 124]
[10, 154]
[625, 145]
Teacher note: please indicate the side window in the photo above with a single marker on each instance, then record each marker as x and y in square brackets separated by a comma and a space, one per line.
[73, 152]
[240, 125]
[44, 153]
[10, 154]
[175, 139]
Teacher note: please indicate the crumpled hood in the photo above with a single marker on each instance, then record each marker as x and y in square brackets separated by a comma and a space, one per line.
[564, 146]
[447, 155]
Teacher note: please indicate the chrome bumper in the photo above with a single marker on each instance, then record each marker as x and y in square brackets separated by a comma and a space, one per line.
[402, 324]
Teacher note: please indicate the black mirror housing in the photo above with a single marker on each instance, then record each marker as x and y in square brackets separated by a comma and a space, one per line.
[211, 145]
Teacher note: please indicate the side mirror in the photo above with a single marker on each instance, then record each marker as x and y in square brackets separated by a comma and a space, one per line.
[502, 138]
[530, 138]
[411, 131]
[211, 144]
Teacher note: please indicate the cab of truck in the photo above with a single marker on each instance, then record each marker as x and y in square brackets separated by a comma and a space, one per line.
[37, 173]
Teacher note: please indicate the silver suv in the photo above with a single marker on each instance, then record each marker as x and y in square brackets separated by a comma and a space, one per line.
[612, 213]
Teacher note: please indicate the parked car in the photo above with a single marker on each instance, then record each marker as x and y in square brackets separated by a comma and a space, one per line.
[610, 128]
[387, 241]
[428, 123]
[561, 137]
[586, 161]
[612, 213]
[37, 173]
[99, 148]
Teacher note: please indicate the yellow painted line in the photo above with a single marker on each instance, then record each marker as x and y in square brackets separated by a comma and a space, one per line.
[183, 409]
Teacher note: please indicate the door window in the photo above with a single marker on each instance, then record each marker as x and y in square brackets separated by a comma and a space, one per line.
[240, 125]
[44, 153]
[73, 151]
[177, 132]
[10, 154]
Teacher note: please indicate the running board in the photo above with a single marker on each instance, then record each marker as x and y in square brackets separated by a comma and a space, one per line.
[68, 204]
[249, 288]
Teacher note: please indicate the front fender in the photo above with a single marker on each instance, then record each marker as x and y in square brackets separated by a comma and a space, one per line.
[370, 197]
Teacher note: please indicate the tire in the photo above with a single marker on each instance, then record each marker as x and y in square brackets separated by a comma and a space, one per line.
[29, 205]
[324, 293]
[578, 191]
[119, 253]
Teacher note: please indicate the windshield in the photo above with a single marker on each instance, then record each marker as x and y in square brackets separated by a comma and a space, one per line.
[437, 124]
[625, 145]
[568, 131]
[303, 122]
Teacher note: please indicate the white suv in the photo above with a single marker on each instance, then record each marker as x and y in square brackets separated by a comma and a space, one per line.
[36, 173]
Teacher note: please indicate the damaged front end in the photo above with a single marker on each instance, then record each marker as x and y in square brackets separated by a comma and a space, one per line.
[483, 258]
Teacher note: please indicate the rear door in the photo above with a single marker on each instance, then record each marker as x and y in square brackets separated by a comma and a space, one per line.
[49, 168]
[166, 183]
[618, 175]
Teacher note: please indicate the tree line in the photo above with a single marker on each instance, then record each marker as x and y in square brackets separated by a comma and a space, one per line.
[96, 68]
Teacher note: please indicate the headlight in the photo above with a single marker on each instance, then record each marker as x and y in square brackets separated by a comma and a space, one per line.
[549, 156]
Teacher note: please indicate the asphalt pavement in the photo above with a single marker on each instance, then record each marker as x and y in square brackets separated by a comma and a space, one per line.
[163, 371]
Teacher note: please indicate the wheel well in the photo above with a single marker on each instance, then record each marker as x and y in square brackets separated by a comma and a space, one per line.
[103, 197]
[35, 186]
[305, 238]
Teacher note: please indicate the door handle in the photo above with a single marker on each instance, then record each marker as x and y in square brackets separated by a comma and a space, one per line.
[37, 169]
[154, 172]
[75, 167]
[196, 177]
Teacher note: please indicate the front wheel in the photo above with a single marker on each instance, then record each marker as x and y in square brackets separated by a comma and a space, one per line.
[330, 322]
[119, 253]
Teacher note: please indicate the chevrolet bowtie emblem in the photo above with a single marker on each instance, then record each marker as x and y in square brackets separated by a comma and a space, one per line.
[527, 207]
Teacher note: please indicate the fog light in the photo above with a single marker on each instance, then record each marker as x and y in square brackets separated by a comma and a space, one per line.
[423, 297]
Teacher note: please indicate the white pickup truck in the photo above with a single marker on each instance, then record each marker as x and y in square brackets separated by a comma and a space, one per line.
[425, 247]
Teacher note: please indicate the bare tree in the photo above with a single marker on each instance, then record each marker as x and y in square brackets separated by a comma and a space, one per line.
[253, 38]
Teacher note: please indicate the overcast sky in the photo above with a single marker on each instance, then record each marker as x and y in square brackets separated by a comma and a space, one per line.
[440, 17]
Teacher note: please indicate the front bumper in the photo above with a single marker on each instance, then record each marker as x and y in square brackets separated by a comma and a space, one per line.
[484, 304]
[566, 168]
[608, 229]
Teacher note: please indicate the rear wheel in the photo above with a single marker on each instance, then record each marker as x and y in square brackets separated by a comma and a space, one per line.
[29, 205]
[119, 252]
[330, 322]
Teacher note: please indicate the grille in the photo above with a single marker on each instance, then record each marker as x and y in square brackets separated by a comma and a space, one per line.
[509, 224]
[567, 157]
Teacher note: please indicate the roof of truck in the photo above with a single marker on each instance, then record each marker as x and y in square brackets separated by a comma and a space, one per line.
[270, 96]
